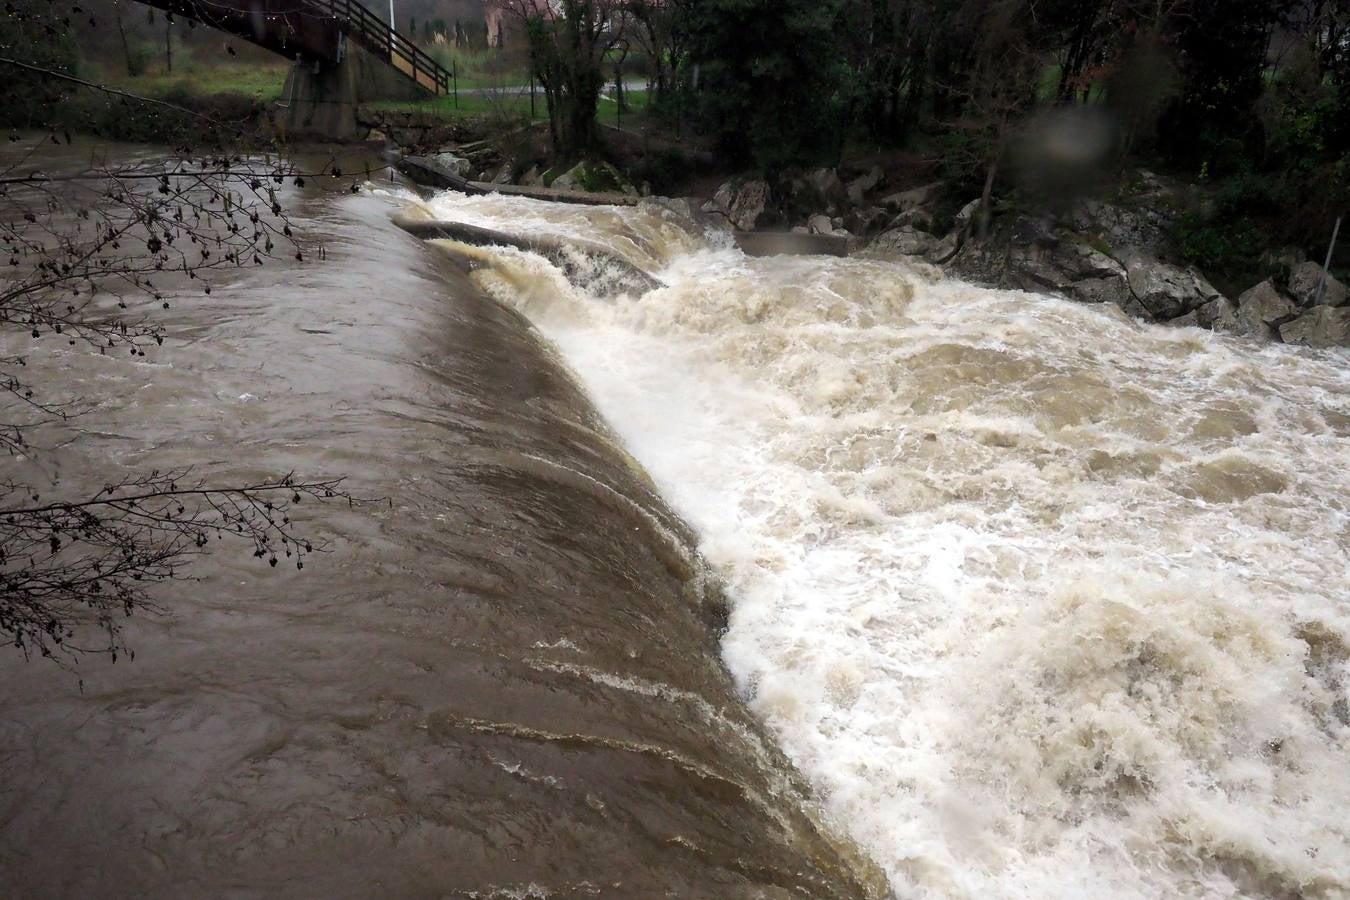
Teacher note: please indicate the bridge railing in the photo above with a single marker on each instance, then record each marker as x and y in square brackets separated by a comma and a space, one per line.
[373, 33]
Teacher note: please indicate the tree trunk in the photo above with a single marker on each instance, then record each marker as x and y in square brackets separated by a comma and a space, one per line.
[126, 46]
[168, 45]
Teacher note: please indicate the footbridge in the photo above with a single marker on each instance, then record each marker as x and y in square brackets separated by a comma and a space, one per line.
[343, 54]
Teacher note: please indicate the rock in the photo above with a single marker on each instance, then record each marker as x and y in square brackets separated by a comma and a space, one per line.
[902, 242]
[724, 197]
[682, 207]
[867, 220]
[1038, 232]
[1190, 320]
[815, 191]
[915, 217]
[1261, 309]
[1303, 280]
[1283, 257]
[800, 229]
[532, 177]
[594, 177]
[749, 205]
[943, 250]
[820, 224]
[503, 174]
[913, 198]
[452, 163]
[1165, 290]
[826, 183]
[1124, 231]
[961, 221]
[1217, 315]
[863, 185]
[375, 135]
[569, 180]
[1082, 260]
[1114, 291]
[837, 221]
[1321, 326]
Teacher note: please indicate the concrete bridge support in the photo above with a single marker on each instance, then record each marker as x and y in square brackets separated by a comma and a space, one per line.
[320, 99]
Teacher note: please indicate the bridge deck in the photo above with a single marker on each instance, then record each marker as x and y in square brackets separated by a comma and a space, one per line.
[312, 31]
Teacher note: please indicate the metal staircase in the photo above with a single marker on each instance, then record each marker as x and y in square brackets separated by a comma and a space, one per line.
[373, 34]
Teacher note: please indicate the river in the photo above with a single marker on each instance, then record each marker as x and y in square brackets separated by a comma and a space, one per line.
[1040, 601]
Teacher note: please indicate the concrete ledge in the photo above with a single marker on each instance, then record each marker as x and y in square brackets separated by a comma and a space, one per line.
[788, 243]
[557, 195]
[628, 277]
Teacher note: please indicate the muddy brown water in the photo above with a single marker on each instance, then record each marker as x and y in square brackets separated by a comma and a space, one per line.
[502, 682]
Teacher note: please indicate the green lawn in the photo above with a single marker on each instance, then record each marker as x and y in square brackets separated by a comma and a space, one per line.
[518, 104]
[263, 82]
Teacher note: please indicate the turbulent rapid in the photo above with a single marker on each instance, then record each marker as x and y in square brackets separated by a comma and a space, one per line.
[1043, 601]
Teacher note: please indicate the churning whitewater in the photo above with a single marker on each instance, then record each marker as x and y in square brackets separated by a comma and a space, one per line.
[1044, 601]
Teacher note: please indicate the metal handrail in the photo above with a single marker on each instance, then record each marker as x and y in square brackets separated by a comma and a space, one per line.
[377, 36]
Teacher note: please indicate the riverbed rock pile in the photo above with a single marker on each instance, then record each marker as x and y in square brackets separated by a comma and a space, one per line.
[1099, 252]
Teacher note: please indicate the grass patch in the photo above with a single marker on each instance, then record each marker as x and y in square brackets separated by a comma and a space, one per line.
[516, 104]
[262, 82]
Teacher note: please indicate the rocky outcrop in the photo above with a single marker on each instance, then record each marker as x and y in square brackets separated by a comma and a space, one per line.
[1263, 309]
[820, 224]
[1166, 291]
[903, 241]
[1321, 326]
[595, 177]
[746, 205]
[1304, 279]
[859, 188]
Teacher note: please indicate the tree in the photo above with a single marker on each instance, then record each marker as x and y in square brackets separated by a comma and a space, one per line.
[568, 42]
[772, 85]
[1222, 50]
[89, 253]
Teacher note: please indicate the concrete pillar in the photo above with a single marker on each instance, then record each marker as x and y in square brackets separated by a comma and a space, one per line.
[320, 100]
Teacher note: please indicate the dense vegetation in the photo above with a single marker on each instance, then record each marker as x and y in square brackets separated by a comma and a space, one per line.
[1250, 96]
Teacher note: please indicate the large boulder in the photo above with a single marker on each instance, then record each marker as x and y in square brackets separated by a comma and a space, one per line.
[1262, 309]
[1164, 290]
[1142, 230]
[1303, 281]
[902, 242]
[864, 184]
[1081, 260]
[924, 195]
[1321, 326]
[594, 177]
[816, 191]
[744, 204]
[749, 205]
[867, 220]
[1218, 314]
[820, 224]
[452, 163]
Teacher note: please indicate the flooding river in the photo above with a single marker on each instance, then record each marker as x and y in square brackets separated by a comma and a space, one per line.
[503, 683]
[1040, 601]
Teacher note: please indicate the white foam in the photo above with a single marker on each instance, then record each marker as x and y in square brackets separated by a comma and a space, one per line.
[1044, 602]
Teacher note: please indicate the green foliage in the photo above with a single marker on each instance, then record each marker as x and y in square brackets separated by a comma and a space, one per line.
[1222, 48]
[772, 87]
[1229, 246]
[28, 98]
